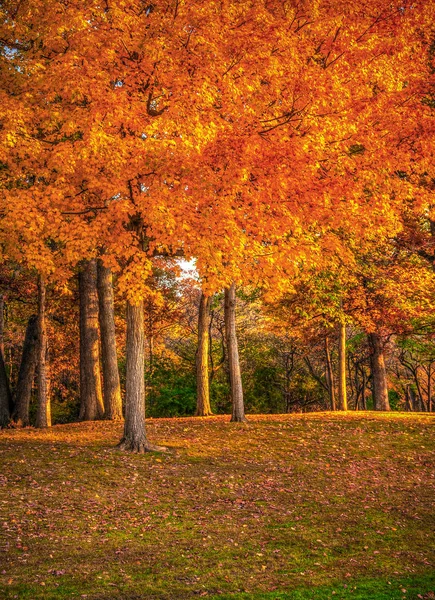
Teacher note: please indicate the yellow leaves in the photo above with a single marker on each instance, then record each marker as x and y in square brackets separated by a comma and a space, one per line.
[132, 281]
[11, 139]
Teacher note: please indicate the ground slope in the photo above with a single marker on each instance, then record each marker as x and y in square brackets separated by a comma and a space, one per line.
[290, 506]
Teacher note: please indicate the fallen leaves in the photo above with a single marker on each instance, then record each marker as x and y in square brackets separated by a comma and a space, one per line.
[236, 500]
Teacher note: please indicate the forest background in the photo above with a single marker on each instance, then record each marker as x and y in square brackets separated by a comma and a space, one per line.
[285, 148]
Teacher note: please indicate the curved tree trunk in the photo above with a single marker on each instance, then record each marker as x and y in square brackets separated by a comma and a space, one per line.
[342, 391]
[109, 360]
[26, 374]
[203, 408]
[91, 397]
[135, 439]
[43, 414]
[238, 412]
[379, 373]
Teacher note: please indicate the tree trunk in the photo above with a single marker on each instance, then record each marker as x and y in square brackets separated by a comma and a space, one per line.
[43, 414]
[342, 392]
[330, 375]
[414, 400]
[5, 395]
[109, 360]
[379, 373]
[238, 412]
[203, 408]
[2, 326]
[135, 439]
[6, 405]
[363, 391]
[408, 405]
[91, 397]
[26, 374]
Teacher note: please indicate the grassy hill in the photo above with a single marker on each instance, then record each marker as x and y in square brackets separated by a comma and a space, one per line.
[290, 506]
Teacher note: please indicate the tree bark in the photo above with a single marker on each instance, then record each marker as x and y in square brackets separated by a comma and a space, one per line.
[203, 408]
[379, 373]
[2, 326]
[5, 395]
[135, 439]
[364, 385]
[342, 392]
[43, 414]
[236, 389]
[6, 405]
[109, 360]
[408, 405]
[330, 375]
[415, 403]
[26, 374]
[91, 397]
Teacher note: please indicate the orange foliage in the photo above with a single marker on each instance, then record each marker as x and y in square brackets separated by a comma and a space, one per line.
[243, 134]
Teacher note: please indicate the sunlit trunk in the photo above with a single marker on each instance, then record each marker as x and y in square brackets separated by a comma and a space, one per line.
[134, 438]
[379, 373]
[91, 397]
[43, 414]
[203, 408]
[342, 391]
[236, 389]
[109, 360]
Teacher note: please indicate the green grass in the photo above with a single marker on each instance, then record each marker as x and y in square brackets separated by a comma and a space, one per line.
[301, 506]
[417, 587]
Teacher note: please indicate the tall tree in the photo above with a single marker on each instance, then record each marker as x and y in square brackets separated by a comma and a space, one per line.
[109, 360]
[91, 397]
[379, 373]
[342, 389]
[203, 408]
[236, 387]
[330, 374]
[43, 413]
[5, 395]
[2, 325]
[26, 374]
[323, 82]
[135, 437]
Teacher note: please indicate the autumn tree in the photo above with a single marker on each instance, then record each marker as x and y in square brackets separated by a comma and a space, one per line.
[26, 374]
[5, 395]
[236, 387]
[109, 360]
[43, 414]
[223, 133]
[91, 397]
[203, 408]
